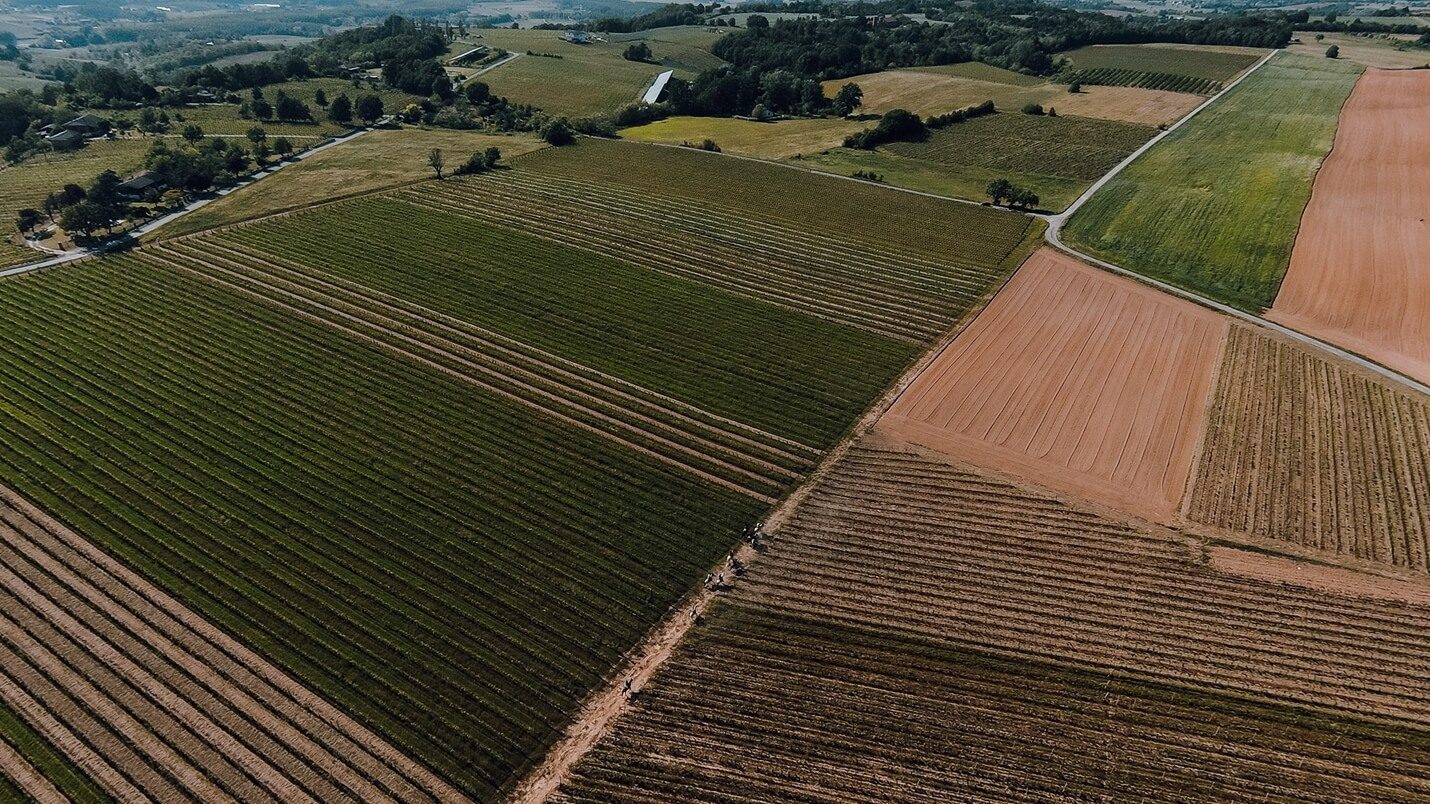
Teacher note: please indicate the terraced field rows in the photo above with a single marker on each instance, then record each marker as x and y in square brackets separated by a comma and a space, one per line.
[919, 630]
[764, 707]
[1068, 147]
[897, 541]
[905, 296]
[451, 569]
[1306, 451]
[153, 701]
[1124, 77]
[785, 373]
[716, 449]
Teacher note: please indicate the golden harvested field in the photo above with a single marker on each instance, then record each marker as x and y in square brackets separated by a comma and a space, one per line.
[1368, 49]
[1307, 451]
[778, 140]
[1359, 274]
[919, 630]
[1084, 382]
[928, 91]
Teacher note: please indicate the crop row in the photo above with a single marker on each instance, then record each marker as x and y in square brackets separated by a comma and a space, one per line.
[124, 663]
[1124, 77]
[1306, 451]
[783, 372]
[760, 706]
[719, 454]
[1069, 147]
[685, 182]
[451, 569]
[903, 543]
[899, 296]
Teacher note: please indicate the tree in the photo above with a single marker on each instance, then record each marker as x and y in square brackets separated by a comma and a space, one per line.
[478, 93]
[262, 109]
[639, 51]
[1024, 198]
[290, 108]
[491, 156]
[192, 133]
[558, 133]
[321, 98]
[1032, 108]
[1075, 87]
[84, 217]
[849, 98]
[282, 146]
[999, 189]
[341, 110]
[256, 135]
[756, 22]
[1333, 52]
[369, 108]
[436, 161]
[27, 219]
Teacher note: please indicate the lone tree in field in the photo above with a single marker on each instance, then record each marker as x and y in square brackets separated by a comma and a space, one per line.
[341, 111]
[1333, 52]
[1075, 87]
[849, 98]
[436, 161]
[320, 97]
[640, 51]
[558, 133]
[369, 108]
[192, 133]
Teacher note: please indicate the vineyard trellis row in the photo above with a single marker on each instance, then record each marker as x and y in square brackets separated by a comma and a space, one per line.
[399, 558]
[918, 626]
[1143, 79]
[1307, 451]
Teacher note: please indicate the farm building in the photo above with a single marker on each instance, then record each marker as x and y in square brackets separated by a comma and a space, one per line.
[577, 37]
[460, 60]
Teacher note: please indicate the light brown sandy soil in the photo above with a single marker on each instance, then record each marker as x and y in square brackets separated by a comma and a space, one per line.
[1084, 382]
[1360, 270]
[1334, 580]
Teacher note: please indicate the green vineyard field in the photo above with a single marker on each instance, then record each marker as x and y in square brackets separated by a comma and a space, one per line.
[450, 567]
[1123, 77]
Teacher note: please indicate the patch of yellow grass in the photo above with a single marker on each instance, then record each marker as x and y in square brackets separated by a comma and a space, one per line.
[778, 140]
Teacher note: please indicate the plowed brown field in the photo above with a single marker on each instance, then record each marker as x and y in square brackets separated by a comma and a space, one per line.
[1075, 379]
[1304, 450]
[1359, 274]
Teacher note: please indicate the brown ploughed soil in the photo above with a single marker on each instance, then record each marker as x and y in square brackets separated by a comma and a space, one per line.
[1359, 275]
[1084, 382]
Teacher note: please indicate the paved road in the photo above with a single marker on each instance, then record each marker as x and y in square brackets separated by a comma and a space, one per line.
[71, 256]
[1054, 232]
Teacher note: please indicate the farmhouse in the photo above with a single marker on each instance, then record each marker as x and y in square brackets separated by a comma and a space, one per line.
[577, 37]
[141, 185]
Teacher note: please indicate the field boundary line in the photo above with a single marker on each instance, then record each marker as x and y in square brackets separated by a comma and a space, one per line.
[608, 702]
[1054, 238]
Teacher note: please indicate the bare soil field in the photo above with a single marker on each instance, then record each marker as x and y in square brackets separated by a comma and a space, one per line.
[152, 702]
[1359, 276]
[922, 629]
[1315, 453]
[1075, 379]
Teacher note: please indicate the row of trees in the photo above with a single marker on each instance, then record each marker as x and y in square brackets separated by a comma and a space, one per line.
[1003, 191]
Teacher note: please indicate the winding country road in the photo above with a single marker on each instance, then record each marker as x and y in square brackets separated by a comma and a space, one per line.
[1054, 232]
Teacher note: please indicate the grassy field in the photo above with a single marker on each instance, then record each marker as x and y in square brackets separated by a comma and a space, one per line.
[1215, 207]
[452, 567]
[43, 757]
[371, 162]
[27, 184]
[777, 140]
[587, 79]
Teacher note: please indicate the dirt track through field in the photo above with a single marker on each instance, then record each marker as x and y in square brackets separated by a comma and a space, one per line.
[154, 703]
[1359, 275]
[1084, 382]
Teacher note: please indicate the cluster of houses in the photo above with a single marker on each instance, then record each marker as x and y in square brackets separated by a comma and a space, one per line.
[76, 132]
